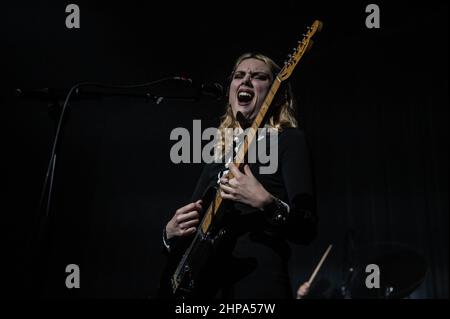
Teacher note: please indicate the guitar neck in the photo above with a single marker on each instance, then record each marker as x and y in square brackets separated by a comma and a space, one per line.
[242, 153]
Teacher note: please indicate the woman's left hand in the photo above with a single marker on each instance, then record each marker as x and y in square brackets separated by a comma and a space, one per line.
[244, 188]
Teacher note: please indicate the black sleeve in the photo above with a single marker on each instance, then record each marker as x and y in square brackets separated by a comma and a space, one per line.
[301, 224]
[204, 182]
[178, 244]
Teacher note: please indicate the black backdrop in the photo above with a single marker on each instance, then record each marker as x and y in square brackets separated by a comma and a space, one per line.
[373, 103]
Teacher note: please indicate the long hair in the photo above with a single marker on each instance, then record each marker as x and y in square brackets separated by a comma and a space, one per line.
[282, 112]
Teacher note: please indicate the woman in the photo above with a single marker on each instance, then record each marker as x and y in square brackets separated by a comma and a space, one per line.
[268, 210]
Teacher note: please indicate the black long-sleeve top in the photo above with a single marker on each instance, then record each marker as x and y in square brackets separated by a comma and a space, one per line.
[255, 261]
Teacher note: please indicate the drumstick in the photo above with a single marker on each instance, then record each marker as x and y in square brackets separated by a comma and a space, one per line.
[319, 265]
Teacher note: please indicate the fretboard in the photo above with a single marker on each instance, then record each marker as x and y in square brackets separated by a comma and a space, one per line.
[242, 153]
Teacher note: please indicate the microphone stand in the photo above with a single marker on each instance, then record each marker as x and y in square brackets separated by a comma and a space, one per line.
[42, 239]
[348, 264]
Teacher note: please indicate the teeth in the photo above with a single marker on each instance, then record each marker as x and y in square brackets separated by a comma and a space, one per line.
[244, 94]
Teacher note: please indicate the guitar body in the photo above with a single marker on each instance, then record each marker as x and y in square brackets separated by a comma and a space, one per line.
[184, 276]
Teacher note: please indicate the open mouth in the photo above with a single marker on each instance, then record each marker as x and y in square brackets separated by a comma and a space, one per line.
[245, 96]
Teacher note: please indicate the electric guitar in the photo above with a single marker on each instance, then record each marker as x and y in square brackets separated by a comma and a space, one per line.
[184, 278]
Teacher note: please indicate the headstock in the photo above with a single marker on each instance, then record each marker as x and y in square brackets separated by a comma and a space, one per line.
[303, 45]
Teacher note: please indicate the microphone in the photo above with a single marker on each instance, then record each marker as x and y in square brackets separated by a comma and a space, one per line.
[212, 90]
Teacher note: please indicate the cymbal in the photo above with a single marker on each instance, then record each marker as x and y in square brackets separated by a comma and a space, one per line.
[402, 270]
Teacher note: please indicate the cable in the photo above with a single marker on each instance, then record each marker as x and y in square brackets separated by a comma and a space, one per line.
[51, 164]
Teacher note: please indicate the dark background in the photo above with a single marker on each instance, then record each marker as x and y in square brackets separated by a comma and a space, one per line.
[373, 104]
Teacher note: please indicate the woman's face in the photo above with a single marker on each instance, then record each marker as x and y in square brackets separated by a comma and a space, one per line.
[249, 86]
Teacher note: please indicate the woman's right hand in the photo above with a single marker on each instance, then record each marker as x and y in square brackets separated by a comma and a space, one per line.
[185, 220]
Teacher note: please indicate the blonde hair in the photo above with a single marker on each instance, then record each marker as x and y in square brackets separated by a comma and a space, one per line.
[282, 113]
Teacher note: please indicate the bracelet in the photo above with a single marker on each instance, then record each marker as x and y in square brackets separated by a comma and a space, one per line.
[278, 210]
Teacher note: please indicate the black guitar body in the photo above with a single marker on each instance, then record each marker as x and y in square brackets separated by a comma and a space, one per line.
[189, 271]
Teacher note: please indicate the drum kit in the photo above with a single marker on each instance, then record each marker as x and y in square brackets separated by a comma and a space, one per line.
[377, 271]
